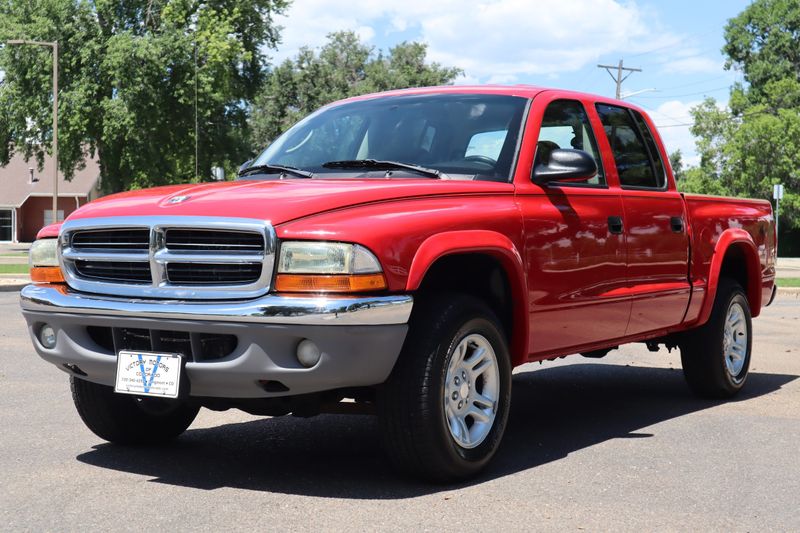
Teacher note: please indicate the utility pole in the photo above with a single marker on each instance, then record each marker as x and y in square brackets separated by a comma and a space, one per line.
[619, 78]
[777, 194]
[54, 46]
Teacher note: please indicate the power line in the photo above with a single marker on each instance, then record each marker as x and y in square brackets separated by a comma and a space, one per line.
[681, 86]
[685, 94]
[619, 78]
[726, 119]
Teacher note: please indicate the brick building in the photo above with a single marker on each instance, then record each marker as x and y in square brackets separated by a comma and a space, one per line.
[26, 205]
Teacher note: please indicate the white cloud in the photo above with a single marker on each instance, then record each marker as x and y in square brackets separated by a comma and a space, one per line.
[672, 119]
[692, 65]
[499, 39]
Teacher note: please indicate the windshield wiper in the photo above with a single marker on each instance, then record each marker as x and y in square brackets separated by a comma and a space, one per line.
[385, 165]
[283, 170]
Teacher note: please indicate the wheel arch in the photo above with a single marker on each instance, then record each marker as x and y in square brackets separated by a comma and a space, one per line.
[736, 257]
[477, 253]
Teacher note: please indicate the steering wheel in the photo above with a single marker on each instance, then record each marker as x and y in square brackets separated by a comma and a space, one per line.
[481, 159]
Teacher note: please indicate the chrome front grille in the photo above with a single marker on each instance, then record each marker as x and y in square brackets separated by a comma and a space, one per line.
[194, 239]
[192, 274]
[112, 239]
[128, 272]
[169, 257]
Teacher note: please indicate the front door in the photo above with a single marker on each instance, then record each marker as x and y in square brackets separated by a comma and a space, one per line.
[574, 252]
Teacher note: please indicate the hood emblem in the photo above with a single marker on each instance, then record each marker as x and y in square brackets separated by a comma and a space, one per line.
[178, 199]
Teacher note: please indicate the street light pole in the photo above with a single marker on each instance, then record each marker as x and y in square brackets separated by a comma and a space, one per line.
[54, 46]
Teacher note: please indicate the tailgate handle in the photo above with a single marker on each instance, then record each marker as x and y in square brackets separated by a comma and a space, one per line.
[676, 223]
[615, 225]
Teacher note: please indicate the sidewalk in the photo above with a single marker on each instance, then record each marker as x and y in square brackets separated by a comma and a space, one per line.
[788, 267]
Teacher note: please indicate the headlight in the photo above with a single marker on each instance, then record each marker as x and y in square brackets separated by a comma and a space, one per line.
[318, 266]
[299, 257]
[43, 262]
[43, 253]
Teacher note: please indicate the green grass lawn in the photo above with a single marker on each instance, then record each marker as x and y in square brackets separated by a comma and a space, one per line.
[14, 269]
[15, 254]
[788, 282]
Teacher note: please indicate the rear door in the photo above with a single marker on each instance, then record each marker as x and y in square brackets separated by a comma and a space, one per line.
[654, 223]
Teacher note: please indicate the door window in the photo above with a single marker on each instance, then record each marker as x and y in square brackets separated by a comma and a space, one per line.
[566, 125]
[655, 155]
[48, 216]
[6, 225]
[631, 155]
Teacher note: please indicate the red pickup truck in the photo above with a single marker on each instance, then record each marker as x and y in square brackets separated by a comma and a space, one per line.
[400, 253]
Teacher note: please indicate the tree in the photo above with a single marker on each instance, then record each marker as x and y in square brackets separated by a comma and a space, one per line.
[341, 68]
[128, 74]
[676, 162]
[748, 147]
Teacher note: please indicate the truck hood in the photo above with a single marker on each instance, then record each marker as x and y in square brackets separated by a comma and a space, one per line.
[276, 201]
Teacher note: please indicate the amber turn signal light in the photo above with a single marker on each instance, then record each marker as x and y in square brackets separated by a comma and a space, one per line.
[47, 275]
[329, 283]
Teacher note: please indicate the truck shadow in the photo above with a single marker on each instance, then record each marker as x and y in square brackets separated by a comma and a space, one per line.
[556, 411]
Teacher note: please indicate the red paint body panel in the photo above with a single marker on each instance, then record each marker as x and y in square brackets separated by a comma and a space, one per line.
[718, 224]
[49, 231]
[657, 259]
[575, 286]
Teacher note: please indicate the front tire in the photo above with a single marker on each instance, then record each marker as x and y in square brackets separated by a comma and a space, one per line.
[125, 419]
[444, 409]
[716, 356]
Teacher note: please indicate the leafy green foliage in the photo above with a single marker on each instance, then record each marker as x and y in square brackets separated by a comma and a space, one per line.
[342, 68]
[746, 149]
[676, 162]
[127, 73]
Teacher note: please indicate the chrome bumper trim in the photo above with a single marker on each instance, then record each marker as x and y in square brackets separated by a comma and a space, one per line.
[269, 309]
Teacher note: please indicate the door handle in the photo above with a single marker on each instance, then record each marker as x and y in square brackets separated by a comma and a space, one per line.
[615, 225]
[676, 223]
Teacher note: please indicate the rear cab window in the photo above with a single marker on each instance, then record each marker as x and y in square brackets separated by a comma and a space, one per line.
[636, 155]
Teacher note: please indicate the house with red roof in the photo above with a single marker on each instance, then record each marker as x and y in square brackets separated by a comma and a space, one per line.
[26, 196]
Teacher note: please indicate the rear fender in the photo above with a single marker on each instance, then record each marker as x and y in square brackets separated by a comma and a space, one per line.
[489, 243]
[739, 238]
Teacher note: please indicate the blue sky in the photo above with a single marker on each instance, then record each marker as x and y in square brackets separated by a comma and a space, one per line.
[555, 44]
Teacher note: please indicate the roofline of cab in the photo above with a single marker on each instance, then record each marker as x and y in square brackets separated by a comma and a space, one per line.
[521, 90]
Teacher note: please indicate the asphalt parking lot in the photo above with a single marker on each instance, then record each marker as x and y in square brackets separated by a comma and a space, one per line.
[611, 444]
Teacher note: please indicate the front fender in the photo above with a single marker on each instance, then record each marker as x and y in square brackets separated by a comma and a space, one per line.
[489, 243]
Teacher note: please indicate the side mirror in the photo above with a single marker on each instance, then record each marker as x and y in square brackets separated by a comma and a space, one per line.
[244, 165]
[566, 165]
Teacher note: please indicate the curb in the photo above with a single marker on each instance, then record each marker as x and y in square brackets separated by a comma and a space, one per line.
[13, 284]
[788, 292]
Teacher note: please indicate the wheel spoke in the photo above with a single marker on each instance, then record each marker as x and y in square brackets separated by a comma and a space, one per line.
[480, 362]
[482, 401]
[478, 414]
[463, 430]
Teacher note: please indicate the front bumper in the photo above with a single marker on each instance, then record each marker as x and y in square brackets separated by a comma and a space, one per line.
[360, 337]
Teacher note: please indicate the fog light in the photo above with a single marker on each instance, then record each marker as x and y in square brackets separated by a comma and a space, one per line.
[308, 353]
[47, 336]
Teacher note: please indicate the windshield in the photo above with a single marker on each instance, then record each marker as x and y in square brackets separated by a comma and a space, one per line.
[464, 136]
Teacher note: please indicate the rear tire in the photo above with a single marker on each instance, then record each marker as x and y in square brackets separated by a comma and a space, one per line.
[125, 419]
[716, 356]
[444, 409]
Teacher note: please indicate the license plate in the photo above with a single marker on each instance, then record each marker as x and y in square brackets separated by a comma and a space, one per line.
[148, 374]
